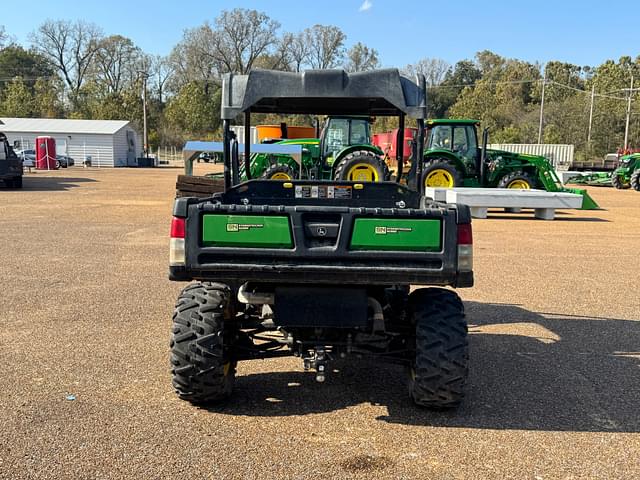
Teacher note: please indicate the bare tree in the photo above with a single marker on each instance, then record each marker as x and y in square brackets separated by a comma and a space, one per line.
[326, 45]
[161, 71]
[3, 36]
[71, 47]
[299, 50]
[240, 37]
[191, 59]
[116, 64]
[434, 70]
[361, 58]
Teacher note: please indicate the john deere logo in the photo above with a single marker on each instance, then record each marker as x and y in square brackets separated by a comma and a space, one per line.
[389, 230]
[237, 227]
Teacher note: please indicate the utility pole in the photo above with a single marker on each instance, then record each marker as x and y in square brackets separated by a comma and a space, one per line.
[544, 84]
[145, 141]
[626, 126]
[593, 94]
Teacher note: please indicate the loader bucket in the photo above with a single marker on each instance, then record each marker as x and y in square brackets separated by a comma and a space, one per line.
[588, 203]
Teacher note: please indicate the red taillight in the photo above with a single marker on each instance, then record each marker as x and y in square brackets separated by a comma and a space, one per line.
[465, 237]
[177, 227]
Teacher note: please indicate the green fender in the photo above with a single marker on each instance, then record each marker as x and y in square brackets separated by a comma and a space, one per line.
[260, 162]
[352, 148]
[448, 155]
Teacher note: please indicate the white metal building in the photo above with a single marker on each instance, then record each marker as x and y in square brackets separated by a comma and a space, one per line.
[108, 143]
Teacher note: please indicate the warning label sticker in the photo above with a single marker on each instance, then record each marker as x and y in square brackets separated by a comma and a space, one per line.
[341, 192]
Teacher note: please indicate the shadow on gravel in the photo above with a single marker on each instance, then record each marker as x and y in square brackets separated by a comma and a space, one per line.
[34, 183]
[527, 372]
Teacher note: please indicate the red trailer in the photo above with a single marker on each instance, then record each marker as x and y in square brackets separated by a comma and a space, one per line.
[388, 141]
[45, 153]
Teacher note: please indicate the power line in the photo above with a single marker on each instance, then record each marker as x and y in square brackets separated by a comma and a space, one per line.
[515, 82]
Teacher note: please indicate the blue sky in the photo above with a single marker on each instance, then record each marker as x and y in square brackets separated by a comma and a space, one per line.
[584, 33]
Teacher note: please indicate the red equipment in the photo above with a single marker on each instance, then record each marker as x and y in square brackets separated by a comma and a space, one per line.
[45, 153]
[388, 142]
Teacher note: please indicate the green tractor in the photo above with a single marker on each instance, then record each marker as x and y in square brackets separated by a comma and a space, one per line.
[628, 172]
[343, 152]
[453, 158]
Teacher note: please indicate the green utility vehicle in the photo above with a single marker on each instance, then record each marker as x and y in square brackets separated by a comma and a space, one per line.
[10, 164]
[453, 158]
[320, 268]
[343, 152]
[628, 172]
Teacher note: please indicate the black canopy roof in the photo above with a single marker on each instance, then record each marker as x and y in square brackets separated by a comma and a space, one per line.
[322, 92]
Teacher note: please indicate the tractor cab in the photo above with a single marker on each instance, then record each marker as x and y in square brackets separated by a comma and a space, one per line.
[339, 133]
[457, 136]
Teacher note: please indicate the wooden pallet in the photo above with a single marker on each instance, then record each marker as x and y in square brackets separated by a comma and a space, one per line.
[190, 186]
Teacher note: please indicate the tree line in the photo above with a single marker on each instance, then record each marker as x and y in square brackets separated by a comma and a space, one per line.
[72, 69]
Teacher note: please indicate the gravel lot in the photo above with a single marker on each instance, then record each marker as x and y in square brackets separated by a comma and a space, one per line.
[85, 307]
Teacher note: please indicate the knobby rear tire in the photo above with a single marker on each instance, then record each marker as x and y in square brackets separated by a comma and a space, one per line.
[439, 373]
[202, 366]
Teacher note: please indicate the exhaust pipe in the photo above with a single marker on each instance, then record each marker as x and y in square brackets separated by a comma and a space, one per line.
[255, 298]
[483, 154]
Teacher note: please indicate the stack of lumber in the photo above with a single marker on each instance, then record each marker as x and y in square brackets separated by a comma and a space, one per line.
[189, 186]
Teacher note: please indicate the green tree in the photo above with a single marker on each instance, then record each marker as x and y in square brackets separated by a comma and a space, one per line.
[195, 109]
[502, 97]
[17, 100]
[47, 94]
[443, 96]
[15, 61]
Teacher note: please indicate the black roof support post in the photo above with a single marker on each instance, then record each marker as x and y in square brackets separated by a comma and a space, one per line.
[400, 147]
[226, 152]
[247, 143]
[419, 186]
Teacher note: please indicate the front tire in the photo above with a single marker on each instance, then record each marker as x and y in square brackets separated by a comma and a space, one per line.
[202, 363]
[517, 180]
[616, 181]
[635, 180]
[439, 373]
[361, 166]
[279, 171]
[439, 173]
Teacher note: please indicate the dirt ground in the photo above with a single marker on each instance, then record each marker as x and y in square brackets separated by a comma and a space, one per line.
[85, 310]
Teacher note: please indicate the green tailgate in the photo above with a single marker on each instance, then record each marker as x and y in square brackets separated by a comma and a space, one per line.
[246, 231]
[389, 234]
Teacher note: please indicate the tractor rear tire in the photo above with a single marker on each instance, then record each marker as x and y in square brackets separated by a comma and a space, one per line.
[616, 181]
[202, 363]
[279, 171]
[439, 373]
[440, 173]
[361, 162]
[635, 180]
[518, 180]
